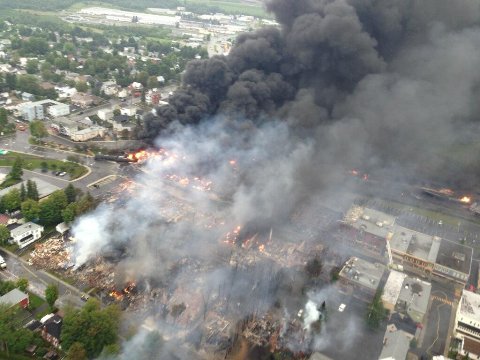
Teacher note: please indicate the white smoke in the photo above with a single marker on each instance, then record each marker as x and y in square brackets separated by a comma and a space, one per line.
[311, 314]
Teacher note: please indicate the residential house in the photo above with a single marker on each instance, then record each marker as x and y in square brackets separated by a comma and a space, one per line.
[52, 329]
[14, 298]
[28, 97]
[26, 234]
[105, 114]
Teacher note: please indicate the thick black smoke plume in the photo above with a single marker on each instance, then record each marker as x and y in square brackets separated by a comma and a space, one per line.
[397, 78]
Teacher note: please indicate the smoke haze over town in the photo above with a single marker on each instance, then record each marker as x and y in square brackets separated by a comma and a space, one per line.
[389, 88]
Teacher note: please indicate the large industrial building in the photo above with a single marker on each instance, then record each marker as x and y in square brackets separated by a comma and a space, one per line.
[467, 324]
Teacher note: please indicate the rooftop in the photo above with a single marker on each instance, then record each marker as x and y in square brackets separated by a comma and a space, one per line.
[415, 293]
[455, 256]
[417, 244]
[363, 272]
[470, 305]
[13, 297]
[369, 220]
[396, 344]
[53, 326]
[29, 226]
[393, 287]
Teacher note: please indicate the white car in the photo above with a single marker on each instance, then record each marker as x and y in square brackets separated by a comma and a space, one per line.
[63, 173]
[342, 307]
[3, 264]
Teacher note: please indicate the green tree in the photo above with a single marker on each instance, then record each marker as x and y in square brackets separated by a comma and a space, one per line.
[3, 117]
[91, 326]
[51, 208]
[22, 284]
[70, 212]
[4, 234]
[38, 130]
[76, 352]
[81, 86]
[12, 340]
[11, 200]
[32, 190]
[23, 192]
[32, 66]
[70, 193]
[85, 204]
[16, 171]
[152, 82]
[6, 286]
[376, 312]
[51, 295]
[30, 209]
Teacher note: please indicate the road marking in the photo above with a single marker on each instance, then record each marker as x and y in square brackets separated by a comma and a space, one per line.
[442, 300]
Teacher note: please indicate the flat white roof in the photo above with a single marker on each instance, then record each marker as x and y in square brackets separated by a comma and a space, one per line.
[470, 305]
[393, 287]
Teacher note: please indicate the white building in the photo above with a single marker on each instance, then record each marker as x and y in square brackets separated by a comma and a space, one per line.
[105, 114]
[26, 234]
[88, 133]
[129, 111]
[58, 109]
[38, 109]
[467, 324]
[32, 111]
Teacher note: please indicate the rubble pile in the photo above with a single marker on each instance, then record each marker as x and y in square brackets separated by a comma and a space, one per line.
[52, 254]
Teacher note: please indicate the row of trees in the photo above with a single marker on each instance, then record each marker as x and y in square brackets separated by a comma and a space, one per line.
[90, 330]
[61, 205]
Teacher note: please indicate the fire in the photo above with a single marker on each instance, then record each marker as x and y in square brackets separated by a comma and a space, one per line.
[116, 295]
[233, 162]
[261, 248]
[354, 172]
[466, 199]
[129, 288]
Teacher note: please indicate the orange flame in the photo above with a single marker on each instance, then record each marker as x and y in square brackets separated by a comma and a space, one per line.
[116, 295]
[466, 199]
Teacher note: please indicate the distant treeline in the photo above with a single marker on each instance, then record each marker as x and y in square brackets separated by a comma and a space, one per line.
[51, 5]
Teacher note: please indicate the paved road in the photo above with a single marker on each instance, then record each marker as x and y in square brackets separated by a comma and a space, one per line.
[101, 169]
[39, 280]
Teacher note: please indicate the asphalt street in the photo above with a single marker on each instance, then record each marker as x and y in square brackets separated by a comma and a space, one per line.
[39, 280]
[99, 169]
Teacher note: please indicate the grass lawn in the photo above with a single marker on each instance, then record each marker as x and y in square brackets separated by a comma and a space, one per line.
[35, 301]
[32, 162]
[234, 7]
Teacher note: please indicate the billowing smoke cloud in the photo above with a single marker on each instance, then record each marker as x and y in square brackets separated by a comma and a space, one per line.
[391, 87]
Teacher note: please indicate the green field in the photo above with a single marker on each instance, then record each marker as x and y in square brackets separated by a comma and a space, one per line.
[32, 162]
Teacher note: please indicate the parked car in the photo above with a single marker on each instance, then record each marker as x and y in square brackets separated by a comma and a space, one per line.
[63, 173]
[3, 264]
